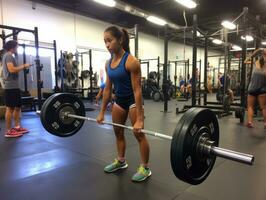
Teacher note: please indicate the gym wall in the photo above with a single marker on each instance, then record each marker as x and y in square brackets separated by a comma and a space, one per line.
[72, 31]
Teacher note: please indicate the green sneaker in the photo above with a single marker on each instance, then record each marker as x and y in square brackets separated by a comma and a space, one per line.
[142, 174]
[116, 165]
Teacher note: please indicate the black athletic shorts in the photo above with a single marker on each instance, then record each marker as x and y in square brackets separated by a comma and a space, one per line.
[12, 98]
[126, 102]
[257, 92]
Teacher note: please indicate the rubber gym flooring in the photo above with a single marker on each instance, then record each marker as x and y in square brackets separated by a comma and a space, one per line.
[42, 166]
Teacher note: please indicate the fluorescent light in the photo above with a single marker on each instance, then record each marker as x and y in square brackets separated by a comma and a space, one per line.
[28, 50]
[23, 41]
[156, 20]
[248, 49]
[198, 34]
[128, 8]
[187, 3]
[228, 24]
[110, 3]
[251, 48]
[248, 38]
[32, 51]
[263, 42]
[216, 41]
[20, 50]
[237, 48]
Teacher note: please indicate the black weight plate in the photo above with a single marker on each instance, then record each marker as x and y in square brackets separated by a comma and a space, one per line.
[226, 103]
[52, 110]
[219, 96]
[60, 124]
[156, 96]
[151, 94]
[237, 112]
[242, 117]
[45, 114]
[240, 113]
[42, 116]
[186, 162]
[178, 128]
[161, 96]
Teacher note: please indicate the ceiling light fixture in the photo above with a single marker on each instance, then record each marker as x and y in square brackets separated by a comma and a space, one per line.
[156, 20]
[21, 41]
[248, 38]
[237, 48]
[248, 49]
[216, 41]
[229, 25]
[187, 3]
[128, 8]
[109, 3]
[198, 34]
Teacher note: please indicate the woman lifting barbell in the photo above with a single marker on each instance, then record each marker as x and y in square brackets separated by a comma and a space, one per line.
[123, 71]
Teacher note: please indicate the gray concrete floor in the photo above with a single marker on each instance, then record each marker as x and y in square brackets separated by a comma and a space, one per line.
[42, 166]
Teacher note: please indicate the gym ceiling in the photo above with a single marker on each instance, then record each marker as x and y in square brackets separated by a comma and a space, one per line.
[210, 12]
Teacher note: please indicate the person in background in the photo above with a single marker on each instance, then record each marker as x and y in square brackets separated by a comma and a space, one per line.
[12, 91]
[257, 87]
[209, 83]
[185, 88]
[2, 52]
[100, 94]
[221, 82]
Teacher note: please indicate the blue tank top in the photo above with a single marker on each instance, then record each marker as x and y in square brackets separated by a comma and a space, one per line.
[120, 78]
[102, 86]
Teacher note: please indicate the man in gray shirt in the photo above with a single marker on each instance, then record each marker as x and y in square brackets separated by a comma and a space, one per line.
[12, 91]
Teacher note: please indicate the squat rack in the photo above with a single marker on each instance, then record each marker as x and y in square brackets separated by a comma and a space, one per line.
[147, 63]
[185, 64]
[134, 34]
[245, 17]
[26, 71]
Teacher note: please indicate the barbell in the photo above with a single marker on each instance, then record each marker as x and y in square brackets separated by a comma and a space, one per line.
[194, 144]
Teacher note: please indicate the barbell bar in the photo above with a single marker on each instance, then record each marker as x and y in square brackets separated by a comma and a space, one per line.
[194, 144]
[225, 153]
[148, 132]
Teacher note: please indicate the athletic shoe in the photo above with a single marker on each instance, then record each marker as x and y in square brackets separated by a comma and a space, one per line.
[116, 165]
[12, 133]
[142, 174]
[21, 130]
[250, 125]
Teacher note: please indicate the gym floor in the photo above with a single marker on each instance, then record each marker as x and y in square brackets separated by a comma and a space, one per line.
[42, 166]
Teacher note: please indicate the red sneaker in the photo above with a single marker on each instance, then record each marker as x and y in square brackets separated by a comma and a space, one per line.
[250, 125]
[12, 133]
[21, 130]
